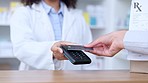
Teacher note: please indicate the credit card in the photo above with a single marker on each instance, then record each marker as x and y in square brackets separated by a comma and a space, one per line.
[78, 47]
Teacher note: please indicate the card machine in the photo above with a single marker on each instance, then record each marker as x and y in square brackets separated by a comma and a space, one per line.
[76, 57]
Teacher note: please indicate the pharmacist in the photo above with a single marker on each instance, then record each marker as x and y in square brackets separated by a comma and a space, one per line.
[135, 40]
[44, 24]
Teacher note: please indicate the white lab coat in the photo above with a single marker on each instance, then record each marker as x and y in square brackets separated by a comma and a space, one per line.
[32, 37]
[136, 39]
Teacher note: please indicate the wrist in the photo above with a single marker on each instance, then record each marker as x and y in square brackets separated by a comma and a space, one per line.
[122, 38]
[118, 37]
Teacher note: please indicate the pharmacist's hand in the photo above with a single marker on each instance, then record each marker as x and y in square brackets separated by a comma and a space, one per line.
[108, 45]
[57, 51]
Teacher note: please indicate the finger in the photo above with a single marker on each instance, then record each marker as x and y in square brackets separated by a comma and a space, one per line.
[99, 45]
[60, 50]
[62, 57]
[56, 49]
[96, 52]
[59, 54]
[55, 46]
[95, 47]
[92, 44]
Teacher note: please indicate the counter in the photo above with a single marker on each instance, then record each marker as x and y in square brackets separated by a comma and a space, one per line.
[72, 77]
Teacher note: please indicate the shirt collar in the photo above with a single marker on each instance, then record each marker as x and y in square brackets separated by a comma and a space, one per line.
[49, 9]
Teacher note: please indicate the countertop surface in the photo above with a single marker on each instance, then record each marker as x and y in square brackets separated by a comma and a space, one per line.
[72, 77]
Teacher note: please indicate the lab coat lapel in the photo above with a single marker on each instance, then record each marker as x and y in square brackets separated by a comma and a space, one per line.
[44, 19]
[67, 23]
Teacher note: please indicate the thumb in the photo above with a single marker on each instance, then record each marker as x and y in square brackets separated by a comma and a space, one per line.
[60, 50]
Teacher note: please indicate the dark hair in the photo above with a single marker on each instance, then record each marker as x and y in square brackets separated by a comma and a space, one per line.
[68, 3]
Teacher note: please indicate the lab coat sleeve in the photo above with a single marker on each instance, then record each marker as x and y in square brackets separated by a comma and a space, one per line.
[136, 42]
[87, 38]
[26, 49]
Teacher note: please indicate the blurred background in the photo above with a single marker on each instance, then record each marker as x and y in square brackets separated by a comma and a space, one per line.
[103, 16]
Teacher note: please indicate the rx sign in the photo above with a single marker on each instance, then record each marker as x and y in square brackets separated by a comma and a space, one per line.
[137, 7]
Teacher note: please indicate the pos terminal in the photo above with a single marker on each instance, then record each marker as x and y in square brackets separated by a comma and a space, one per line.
[75, 54]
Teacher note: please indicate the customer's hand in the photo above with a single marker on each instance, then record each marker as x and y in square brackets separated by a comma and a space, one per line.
[57, 51]
[108, 45]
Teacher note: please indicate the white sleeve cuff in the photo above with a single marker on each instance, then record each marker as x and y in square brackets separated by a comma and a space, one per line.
[136, 41]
